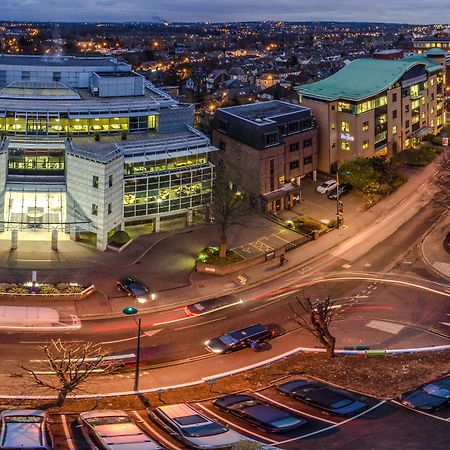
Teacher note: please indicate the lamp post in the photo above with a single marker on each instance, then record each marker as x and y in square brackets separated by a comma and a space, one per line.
[131, 311]
[339, 205]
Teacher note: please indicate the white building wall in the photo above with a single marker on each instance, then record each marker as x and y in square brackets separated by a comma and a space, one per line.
[79, 181]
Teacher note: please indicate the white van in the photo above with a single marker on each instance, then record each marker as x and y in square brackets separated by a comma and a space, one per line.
[36, 318]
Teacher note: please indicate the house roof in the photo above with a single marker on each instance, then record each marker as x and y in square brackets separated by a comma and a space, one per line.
[363, 78]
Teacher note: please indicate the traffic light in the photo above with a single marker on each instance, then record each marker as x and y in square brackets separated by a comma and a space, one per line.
[341, 207]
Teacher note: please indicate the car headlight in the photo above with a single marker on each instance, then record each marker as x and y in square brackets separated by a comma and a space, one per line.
[141, 299]
[206, 342]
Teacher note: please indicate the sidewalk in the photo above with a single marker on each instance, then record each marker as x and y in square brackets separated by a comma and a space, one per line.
[432, 247]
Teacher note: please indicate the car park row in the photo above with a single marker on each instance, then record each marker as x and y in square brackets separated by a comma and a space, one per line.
[289, 411]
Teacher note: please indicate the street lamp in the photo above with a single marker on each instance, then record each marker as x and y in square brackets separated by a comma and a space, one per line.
[131, 311]
[339, 204]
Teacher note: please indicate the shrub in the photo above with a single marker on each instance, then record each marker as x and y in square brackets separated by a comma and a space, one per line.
[48, 289]
[120, 237]
[421, 156]
[210, 255]
[332, 223]
[305, 223]
[437, 140]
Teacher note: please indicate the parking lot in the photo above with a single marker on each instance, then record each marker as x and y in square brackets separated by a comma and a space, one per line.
[379, 425]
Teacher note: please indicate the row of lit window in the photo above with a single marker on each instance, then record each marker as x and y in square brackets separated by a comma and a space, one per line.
[53, 125]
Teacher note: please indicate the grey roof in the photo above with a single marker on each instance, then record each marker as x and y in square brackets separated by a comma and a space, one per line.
[140, 146]
[39, 60]
[257, 112]
[250, 124]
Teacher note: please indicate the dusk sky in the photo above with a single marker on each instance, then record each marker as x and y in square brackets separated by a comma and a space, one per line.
[409, 11]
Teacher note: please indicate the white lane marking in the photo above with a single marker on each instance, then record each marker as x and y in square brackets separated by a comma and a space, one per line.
[144, 334]
[297, 411]
[233, 425]
[200, 324]
[332, 426]
[158, 435]
[275, 299]
[70, 444]
[47, 342]
[445, 323]
[420, 412]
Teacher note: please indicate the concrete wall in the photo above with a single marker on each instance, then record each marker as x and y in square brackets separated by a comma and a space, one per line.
[174, 119]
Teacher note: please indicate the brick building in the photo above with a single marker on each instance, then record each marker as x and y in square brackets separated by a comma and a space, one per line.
[272, 145]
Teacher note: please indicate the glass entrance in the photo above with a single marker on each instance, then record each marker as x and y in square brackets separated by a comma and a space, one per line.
[35, 211]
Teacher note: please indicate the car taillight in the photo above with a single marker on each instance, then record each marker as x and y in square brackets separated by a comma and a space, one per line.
[273, 333]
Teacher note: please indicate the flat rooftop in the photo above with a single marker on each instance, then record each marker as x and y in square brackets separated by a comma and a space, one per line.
[38, 90]
[116, 74]
[45, 60]
[257, 112]
[140, 144]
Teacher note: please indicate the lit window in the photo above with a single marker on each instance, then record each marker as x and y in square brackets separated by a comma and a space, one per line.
[345, 126]
[345, 146]
[365, 145]
[365, 126]
[394, 129]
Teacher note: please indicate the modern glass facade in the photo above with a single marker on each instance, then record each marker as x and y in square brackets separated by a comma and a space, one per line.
[72, 160]
[30, 123]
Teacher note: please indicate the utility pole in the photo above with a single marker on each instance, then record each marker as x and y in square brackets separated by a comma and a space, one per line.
[339, 205]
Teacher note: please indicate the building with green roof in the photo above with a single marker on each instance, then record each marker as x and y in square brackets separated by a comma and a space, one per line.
[376, 106]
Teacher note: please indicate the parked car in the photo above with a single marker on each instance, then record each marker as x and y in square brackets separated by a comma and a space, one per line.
[263, 415]
[133, 288]
[344, 189]
[430, 396]
[322, 396]
[25, 429]
[192, 428]
[114, 430]
[326, 186]
[239, 339]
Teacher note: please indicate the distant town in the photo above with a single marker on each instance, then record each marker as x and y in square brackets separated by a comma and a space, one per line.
[223, 64]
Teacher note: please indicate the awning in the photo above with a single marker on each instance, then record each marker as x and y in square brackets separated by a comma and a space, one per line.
[287, 189]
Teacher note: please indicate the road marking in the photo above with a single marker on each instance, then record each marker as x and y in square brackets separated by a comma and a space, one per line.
[332, 426]
[346, 266]
[200, 324]
[67, 434]
[297, 411]
[420, 412]
[158, 435]
[388, 327]
[275, 299]
[149, 333]
[244, 430]
[445, 323]
[47, 342]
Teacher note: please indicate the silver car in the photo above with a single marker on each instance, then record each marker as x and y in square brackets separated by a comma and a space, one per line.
[193, 428]
[25, 429]
[326, 186]
[114, 430]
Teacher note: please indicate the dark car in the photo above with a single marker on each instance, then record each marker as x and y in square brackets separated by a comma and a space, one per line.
[236, 340]
[261, 414]
[321, 396]
[134, 288]
[430, 396]
[344, 189]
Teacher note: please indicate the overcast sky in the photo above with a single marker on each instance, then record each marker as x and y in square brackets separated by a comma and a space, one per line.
[425, 11]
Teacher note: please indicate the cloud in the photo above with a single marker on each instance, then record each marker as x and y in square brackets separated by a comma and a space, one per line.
[226, 10]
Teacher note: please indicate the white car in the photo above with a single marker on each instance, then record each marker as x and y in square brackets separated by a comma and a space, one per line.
[114, 430]
[326, 186]
[25, 429]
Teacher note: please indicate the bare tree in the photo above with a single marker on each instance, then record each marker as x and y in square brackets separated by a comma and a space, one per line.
[442, 182]
[317, 321]
[68, 365]
[229, 206]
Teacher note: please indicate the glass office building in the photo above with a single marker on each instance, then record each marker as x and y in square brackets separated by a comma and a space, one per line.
[89, 145]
